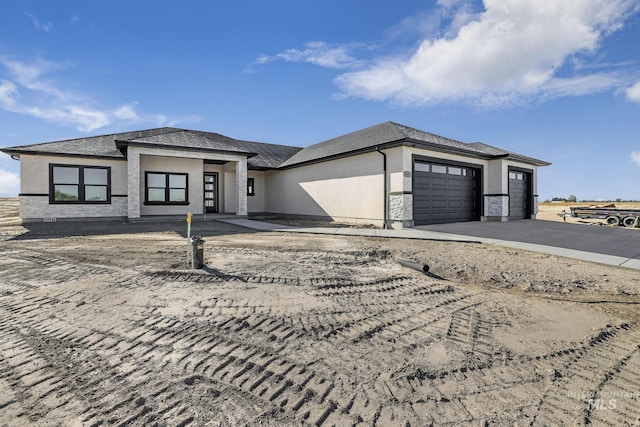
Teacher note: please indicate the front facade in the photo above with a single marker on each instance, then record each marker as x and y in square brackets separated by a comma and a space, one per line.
[386, 175]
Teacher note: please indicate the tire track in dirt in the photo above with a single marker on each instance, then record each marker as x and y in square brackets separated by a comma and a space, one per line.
[263, 372]
[225, 362]
[577, 383]
[73, 366]
[234, 361]
[57, 269]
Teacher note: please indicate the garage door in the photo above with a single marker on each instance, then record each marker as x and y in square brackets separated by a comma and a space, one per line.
[518, 195]
[444, 193]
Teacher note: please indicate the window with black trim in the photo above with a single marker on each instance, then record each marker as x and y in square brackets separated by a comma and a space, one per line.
[164, 188]
[251, 187]
[79, 184]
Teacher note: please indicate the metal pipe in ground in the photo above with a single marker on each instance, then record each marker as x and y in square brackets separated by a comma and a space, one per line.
[415, 265]
[424, 268]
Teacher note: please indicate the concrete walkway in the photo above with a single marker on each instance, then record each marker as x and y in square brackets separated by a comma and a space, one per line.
[423, 234]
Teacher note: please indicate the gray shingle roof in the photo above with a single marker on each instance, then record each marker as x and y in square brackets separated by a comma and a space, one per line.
[260, 155]
[186, 139]
[101, 146]
[391, 134]
[268, 156]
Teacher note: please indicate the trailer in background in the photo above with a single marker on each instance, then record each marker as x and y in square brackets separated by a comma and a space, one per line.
[611, 215]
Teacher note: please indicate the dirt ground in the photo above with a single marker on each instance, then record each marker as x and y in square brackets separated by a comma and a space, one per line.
[105, 325]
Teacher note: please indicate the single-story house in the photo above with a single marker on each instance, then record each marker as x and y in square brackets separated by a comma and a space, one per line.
[387, 175]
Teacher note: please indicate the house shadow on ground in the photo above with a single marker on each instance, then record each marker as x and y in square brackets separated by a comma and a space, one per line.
[62, 229]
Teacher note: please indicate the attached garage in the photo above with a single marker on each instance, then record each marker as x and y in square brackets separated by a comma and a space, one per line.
[445, 193]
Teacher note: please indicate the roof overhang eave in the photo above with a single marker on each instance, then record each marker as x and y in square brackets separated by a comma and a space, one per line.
[124, 145]
[528, 160]
[12, 153]
[445, 149]
[475, 154]
[369, 149]
[18, 153]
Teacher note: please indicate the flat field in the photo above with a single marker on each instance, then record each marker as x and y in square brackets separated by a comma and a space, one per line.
[105, 325]
[9, 215]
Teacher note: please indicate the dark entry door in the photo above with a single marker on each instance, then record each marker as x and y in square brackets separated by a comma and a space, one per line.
[519, 183]
[211, 192]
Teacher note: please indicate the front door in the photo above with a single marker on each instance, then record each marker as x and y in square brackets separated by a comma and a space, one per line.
[211, 192]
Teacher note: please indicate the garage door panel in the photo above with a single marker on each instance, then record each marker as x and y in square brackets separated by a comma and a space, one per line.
[438, 216]
[518, 195]
[444, 194]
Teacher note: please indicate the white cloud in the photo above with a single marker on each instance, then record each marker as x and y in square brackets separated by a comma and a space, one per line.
[45, 99]
[30, 75]
[9, 182]
[80, 117]
[512, 51]
[8, 94]
[126, 112]
[317, 53]
[633, 92]
[40, 26]
[635, 157]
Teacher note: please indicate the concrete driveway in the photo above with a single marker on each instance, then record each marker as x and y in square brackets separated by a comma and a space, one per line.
[617, 242]
[605, 245]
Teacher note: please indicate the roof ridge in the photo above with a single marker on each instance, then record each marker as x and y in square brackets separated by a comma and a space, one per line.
[268, 143]
[143, 131]
[396, 127]
[428, 133]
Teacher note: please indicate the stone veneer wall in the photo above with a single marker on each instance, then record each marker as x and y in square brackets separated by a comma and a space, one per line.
[400, 208]
[37, 208]
[496, 207]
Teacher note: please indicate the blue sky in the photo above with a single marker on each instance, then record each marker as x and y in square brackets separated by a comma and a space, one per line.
[559, 81]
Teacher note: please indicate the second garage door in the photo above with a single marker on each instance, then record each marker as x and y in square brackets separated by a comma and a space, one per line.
[519, 195]
[444, 193]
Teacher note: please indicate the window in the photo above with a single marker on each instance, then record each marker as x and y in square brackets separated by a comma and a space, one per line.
[422, 167]
[251, 189]
[79, 184]
[163, 188]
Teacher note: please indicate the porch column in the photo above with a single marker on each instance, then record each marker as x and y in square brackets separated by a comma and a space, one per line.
[133, 183]
[241, 187]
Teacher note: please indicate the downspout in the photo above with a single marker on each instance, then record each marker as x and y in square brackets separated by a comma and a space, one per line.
[384, 170]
